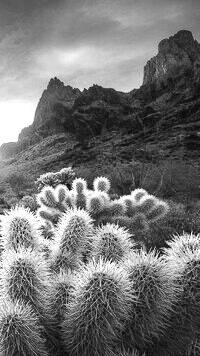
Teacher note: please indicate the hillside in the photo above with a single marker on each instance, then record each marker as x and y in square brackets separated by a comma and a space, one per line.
[100, 128]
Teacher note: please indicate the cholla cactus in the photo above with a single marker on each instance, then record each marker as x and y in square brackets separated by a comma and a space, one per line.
[183, 258]
[95, 204]
[138, 193]
[53, 198]
[65, 261]
[20, 228]
[72, 235]
[54, 202]
[97, 313]
[156, 291]
[129, 353]
[24, 277]
[64, 176]
[79, 186]
[135, 211]
[72, 231]
[182, 244]
[101, 184]
[61, 287]
[111, 242]
[20, 331]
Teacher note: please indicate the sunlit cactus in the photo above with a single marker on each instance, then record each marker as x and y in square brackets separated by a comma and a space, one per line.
[127, 200]
[20, 331]
[45, 248]
[129, 353]
[50, 216]
[62, 260]
[117, 207]
[95, 204]
[61, 287]
[61, 193]
[47, 198]
[97, 313]
[158, 212]
[139, 223]
[182, 244]
[72, 231]
[156, 291]
[101, 184]
[79, 187]
[147, 203]
[142, 208]
[111, 242]
[183, 258]
[54, 200]
[24, 277]
[20, 228]
[138, 193]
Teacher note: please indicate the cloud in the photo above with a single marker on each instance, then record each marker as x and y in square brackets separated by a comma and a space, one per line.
[82, 41]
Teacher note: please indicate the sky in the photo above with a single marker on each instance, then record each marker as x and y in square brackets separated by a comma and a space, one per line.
[82, 42]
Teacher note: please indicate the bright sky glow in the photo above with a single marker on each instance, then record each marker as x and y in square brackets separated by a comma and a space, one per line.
[14, 116]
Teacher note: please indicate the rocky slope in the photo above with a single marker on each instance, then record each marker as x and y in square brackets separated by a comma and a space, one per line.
[159, 121]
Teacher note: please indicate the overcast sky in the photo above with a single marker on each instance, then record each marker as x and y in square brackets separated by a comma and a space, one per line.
[106, 42]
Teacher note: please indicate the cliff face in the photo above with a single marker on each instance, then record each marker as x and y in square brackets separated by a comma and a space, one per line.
[178, 58]
[56, 94]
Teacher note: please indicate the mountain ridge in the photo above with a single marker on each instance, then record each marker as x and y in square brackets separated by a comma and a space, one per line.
[101, 127]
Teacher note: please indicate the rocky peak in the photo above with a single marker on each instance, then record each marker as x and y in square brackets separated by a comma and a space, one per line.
[56, 94]
[55, 82]
[178, 56]
[97, 93]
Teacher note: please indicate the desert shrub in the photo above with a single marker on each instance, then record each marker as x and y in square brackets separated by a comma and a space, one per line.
[19, 182]
[30, 202]
[64, 176]
[178, 220]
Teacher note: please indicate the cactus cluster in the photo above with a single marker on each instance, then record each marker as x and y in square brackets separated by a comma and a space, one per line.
[88, 290]
[135, 211]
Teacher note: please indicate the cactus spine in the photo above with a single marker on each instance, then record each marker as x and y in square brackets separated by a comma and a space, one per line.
[156, 292]
[97, 314]
[20, 331]
[111, 242]
[20, 228]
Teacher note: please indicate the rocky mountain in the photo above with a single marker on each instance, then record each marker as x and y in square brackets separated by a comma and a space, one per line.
[158, 121]
[177, 58]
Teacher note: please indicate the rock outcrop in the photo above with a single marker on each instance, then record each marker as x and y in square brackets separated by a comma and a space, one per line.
[178, 60]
